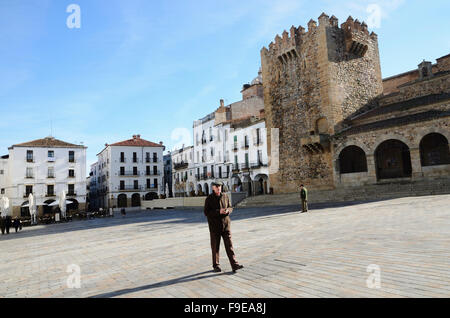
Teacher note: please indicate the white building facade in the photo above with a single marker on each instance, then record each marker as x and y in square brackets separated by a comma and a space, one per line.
[44, 167]
[126, 173]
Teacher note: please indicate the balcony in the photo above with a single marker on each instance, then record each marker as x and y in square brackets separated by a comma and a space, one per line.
[51, 194]
[71, 194]
[245, 145]
[123, 159]
[27, 194]
[235, 147]
[258, 164]
[30, 159]
[152, 187]
[153, 173]
[51, 159]
[130, 188]
[257, 142]
[244, 166]
[72, 160]
[155, 159]
[51, 176]
[129, 173]
[29, 176]
[235, 168]
[181, 165]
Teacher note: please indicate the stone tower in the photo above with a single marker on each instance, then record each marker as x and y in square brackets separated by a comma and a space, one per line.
[313, 80]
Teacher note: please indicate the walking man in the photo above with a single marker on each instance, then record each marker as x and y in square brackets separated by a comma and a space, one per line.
[217, 210]
[304, 198]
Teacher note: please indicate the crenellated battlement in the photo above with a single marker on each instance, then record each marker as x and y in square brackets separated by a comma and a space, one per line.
[287, 46]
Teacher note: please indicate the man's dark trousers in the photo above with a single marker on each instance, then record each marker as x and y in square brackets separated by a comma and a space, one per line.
[215, 246]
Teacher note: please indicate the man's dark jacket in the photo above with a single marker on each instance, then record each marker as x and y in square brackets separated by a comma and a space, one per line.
[218, 223]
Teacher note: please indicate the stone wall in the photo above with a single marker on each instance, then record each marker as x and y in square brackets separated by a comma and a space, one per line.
[310, 78]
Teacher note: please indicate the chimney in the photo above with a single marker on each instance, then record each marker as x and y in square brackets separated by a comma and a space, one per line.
[161, 143]
[134, 136]
[222, 104]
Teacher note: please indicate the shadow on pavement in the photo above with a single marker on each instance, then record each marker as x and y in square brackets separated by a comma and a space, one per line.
[146, 219]
[188, 278]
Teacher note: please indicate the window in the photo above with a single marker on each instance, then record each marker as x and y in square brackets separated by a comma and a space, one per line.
[2, 191]
[122, 157]
[147, 157]
[135, 157]
[71, 189]
[147, 172]
[220, 172]
[155, 183]
[50, 190]
[148, 184]
[122, 171]
[136, 184]
[122, 185]
[29, 173]
[71, 173]
[28, 190]
[71, 156]
[155, 170]
[155, 157]
[2, 172]
[30, 155]
[135, 171]
[51, 154]
[51, 172]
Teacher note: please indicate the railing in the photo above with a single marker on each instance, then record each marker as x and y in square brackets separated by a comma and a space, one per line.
[181, 165]
[29, 176]
[235, 146]
[235, 167]
[152, 187]
[245, 165]
[51, 159]
[27, 194]
[153, 173]
[71, 160]
[123, 159]
[258, 142]
[50, 194]
[71, 194]
[258, 164]
[51, 176]
[130, 188]
[245, 145]
[30, 159]
[128, 173]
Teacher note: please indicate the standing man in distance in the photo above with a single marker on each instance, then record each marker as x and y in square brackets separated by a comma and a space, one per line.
[217, 210]
[304, 198]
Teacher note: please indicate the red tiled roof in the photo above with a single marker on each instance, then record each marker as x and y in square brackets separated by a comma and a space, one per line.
[137, 141]
[48, 142]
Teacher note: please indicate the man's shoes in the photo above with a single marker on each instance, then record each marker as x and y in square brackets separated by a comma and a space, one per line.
[217, 269]
[236, 267]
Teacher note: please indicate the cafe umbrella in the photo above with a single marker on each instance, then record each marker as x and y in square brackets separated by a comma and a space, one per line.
[63, 204]
[33, 208]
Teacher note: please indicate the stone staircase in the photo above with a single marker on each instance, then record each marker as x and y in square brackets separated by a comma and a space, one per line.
[385, 190]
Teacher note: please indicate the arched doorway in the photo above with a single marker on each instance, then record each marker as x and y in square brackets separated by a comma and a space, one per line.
[122, 200]
[247, 185]
[25, 210]
[236, 183]
[261, 184]
[352, 159]
[206, 189]
[393, 160]
[47, 208]
[434, 150]
[199, 190]
[151, 196]
[136, 200]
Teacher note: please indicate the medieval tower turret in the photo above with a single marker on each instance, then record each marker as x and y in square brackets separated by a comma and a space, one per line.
[313, 81]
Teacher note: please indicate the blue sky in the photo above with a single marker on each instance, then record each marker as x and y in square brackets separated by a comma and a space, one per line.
[152, 67]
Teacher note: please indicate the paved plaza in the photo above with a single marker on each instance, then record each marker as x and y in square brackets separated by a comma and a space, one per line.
[331, 251]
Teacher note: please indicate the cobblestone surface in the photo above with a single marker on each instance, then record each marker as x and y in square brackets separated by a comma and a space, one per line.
[165, 253]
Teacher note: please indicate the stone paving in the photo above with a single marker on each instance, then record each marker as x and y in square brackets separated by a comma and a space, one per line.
[326, 252]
